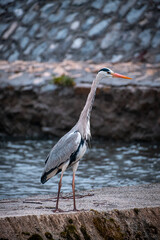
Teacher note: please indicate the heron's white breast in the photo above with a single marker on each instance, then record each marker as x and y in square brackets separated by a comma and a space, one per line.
[81, 151]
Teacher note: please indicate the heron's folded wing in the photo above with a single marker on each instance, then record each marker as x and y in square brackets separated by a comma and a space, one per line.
[62, 151]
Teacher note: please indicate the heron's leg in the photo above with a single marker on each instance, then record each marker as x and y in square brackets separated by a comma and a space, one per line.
[59, 189]
[73, 185]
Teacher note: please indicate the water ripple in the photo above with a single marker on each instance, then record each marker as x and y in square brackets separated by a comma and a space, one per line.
[22, 162]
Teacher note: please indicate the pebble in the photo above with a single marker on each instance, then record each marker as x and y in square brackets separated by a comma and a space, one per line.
[9, 31]
[125, 7]
[18, 12]
[134, 15]
[47, 8]
[79, 2]
[98, 28]
[62, 34]
[70, 17]
[19, 33]
[33, 29]
[111, 7]
[52, 33]
[98, 4]
[77, 43]
[156, 40]
[145, 37]
[53, 18]
[13, 56]
[3, 27]
[127, 46]
[116, 58]
[39, 49]
[109, 39]
[75, 25]
[24, 42]
[88, 22]
[29, 49]
[29, 17]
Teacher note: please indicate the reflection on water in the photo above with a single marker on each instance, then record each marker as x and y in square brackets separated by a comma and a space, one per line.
[105, 164]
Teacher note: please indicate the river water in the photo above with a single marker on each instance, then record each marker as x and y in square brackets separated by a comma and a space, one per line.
[104, 164]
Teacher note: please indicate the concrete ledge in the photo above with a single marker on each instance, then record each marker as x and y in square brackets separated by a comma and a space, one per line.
[109, 213]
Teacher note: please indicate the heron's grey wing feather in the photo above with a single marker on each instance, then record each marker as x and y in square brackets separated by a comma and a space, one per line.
[62, 151]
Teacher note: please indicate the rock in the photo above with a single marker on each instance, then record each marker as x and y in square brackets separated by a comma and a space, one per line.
[29, 17]
[39, 49]
[53, 18]
[114, 97]
[29, 49]
[9, 32]
[88, 49]
[3, 3]
[33, 29]
[127, 46]
[156, 40]
[19, 33]
[88, 22]
[157, 58]
[111, 7]
[18, 12]
[75, 25]
[48, 7]
[46, 20]
[145, 37]
[116, 58]
[107, 213]
[135, 14]
[3, 27]
[70, 17]
[52, 33]
[109, 39]
[98, 28]
[98, 4]
[62, 34]
[24, 42]
[158, 23]
[77, 43]
[79, 2]
[41, 33]
[14, 56]
[126, 7]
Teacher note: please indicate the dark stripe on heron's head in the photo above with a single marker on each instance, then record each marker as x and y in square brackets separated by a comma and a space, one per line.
[105, 70]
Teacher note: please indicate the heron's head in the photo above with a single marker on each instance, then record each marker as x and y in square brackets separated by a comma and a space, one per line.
[106, 72]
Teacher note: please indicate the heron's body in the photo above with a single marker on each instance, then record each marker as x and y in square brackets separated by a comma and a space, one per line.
[72, 146]
[67, 152]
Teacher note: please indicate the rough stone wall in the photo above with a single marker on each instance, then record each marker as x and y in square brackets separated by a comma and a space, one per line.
[118, 225]
[32, 106]
[99, 30]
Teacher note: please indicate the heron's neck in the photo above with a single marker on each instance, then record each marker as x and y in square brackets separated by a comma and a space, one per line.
[84, 118]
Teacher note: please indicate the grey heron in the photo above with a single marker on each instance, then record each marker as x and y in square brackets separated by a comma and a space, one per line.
[68, 151]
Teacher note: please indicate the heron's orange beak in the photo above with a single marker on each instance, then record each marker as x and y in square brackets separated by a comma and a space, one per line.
[117, 75]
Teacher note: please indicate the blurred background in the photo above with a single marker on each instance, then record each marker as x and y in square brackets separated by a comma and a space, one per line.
[99, 30]
[73, 39]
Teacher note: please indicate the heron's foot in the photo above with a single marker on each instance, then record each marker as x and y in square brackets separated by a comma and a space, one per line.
[58, 210]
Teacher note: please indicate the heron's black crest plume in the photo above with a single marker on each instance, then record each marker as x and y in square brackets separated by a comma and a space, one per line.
[105, 70]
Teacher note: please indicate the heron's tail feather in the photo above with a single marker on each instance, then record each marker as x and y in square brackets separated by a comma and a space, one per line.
[44, 178]
[47, 175]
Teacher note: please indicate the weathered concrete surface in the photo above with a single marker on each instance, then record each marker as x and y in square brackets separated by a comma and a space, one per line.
[109, 213]
[32, 106]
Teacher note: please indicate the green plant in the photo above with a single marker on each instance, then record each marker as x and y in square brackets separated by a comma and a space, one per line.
[64, 80]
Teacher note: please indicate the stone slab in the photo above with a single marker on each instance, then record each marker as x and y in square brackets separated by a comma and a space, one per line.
[106, 199]
[130, 213]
